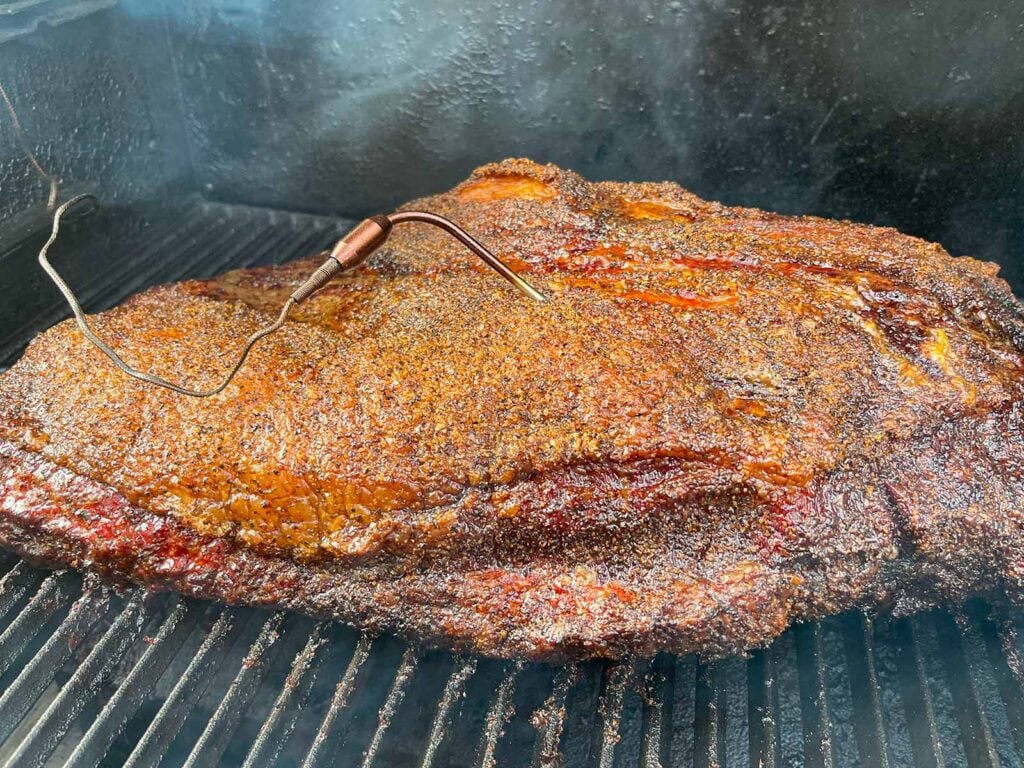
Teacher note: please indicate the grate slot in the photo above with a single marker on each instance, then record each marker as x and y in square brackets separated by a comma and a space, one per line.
[682, 744]
[761, 698]
[631, 732]
[320, 751]
[922, 724]
[215, 737]
[929, 652]
[786, 701]
[169, 719]
[581, 734]
[733, 696]
[813, 696]
[886, 656]
[988, 687]
[970, 714]
[56, 591]
[868, 721]
[840, 687]
[136, 686]
[19, 697]
[84, 684]
[708, 747]
[1003, 656]
[289, 704]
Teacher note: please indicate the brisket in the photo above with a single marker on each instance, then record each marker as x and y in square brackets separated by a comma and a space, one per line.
[722, 421]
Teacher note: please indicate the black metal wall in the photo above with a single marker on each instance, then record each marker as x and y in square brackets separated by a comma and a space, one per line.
[95, 94]
[907, 114]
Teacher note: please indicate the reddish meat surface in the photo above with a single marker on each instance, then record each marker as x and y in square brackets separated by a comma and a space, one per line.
[722, 421]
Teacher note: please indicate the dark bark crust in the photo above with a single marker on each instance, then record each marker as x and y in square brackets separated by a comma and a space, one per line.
[722, 422]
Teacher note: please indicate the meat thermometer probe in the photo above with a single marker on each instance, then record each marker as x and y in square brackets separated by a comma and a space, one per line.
[349, 252]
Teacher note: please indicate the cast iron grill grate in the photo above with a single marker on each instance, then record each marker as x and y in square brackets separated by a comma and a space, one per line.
[92, 677]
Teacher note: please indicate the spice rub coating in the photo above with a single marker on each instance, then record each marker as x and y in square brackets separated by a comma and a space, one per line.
[721, 421]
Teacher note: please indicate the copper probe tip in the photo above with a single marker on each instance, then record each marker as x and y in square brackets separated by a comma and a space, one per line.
[362, 240]
[370, 234]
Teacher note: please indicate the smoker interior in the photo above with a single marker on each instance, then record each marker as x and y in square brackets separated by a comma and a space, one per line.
[222, 133]
[91, 677]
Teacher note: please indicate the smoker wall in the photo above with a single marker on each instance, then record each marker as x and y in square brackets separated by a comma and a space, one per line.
[906, 114]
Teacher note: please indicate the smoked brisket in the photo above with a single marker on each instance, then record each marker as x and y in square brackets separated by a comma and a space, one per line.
[722, 421]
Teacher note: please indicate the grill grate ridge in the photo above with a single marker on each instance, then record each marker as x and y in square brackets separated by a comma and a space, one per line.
[17, 583]
[615, 680]
[33, 679]
[1002, 657]
[320, 753]
[214, 739]
[406, 669]
[289, 705]
[98, 666]
[153, 745]
[761, 711]
[975, 730]
[452, 691]
[136, 686]
[551, 717]
[655, 698]
[857, 634]
[55, 592]
[498, 715]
